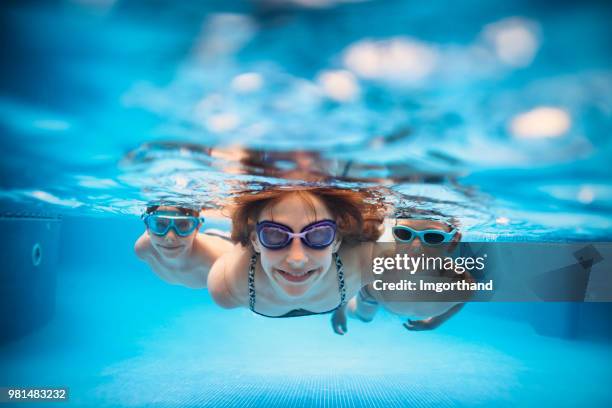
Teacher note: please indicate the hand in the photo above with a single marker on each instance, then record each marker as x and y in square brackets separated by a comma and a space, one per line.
[421, 325]
[338, 321]
[433, 322]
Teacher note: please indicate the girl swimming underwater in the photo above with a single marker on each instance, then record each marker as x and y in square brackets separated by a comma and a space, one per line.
[298, 251]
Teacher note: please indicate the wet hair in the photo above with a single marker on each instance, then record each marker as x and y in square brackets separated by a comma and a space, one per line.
[352, 210]
[407, 213]
[183, 210]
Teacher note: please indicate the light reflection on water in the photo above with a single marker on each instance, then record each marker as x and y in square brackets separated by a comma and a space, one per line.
[501, 121]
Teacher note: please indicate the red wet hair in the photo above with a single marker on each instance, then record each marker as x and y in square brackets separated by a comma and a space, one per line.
[352, 210]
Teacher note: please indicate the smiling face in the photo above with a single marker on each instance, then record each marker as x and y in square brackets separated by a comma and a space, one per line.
[295, 269]
[172, 245]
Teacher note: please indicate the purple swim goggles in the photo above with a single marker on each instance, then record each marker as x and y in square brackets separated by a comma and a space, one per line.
[318, 235]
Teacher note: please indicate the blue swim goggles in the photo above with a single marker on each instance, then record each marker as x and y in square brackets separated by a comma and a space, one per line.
[428, 237]
[183, 225]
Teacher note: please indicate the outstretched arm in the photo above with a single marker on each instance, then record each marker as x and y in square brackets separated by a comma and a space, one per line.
[433, 322]
[338, 320]
[188, 269]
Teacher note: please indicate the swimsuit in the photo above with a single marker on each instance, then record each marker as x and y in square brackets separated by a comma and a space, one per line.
[297, 312]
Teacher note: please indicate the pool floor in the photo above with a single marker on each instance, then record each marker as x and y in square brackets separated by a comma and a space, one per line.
[136, 342]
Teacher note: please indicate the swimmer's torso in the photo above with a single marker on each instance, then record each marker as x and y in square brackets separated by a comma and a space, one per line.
[324, 296]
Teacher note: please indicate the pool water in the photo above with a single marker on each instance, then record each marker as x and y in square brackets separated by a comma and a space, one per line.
[189, 354]
[119, 336]
[183, 352]
[496, 115]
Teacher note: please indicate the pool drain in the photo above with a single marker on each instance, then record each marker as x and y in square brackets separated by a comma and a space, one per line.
[36, 254]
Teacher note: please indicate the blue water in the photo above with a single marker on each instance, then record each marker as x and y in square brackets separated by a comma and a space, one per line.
[122, 337]
[498, 115]
[83, 86]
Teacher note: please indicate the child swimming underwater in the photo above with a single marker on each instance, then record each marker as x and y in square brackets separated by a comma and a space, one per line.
[423, 237]
[173, 247]
[298, 251]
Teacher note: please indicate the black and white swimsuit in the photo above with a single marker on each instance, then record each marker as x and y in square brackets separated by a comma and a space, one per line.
[297, 312]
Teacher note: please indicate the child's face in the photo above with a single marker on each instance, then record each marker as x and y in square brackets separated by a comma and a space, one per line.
[416, 246]
[172, 245]
[296, 268]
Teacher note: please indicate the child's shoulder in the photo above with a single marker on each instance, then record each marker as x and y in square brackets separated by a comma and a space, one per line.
[228, 279]
[142, 246]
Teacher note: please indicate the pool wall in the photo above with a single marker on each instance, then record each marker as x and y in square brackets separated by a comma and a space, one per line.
[105, 245]
[30, 245]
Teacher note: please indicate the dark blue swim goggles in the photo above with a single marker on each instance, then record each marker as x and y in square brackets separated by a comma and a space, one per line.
[183, 225]
[317, 235]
